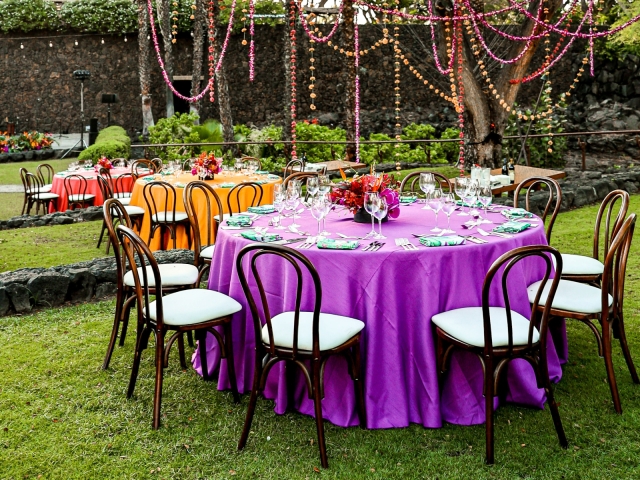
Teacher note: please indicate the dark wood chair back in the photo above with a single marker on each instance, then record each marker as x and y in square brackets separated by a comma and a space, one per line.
[45, 173]
[295, 165]
[247, 159]
[261, 314]
[119, 184]
[76, 185]
[411, 182]
[32, 182]
[606, 210]
[115, 214]
[199, 216]
[142, 163]
[554, 202]
[615, 269]
[248, 190]
[23, 178]
[158, 163]
[105, 187]
[160, 197]
[300, 176]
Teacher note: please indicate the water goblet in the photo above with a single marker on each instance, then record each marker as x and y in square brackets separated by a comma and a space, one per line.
[460, 187]
[293, 200]
[328, 206]
[383, 209]
[371, 200]
[485, 196]
[427, 184]
[324, 184]
[318, 211]
[312, 186]
[471, 197]
[279, 203]
[448, 206]
[435, 203]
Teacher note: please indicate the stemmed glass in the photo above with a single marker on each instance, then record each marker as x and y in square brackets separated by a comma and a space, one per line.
[485, 196]
[460, 186]
[328, 205]
[448, 206]
[293, 198]
[434, 202]
[383, 209]
[427, 185]
[318, 211]
[324, 184]
[279, 203]
[471, 196]
[312, 186]
[371, 203]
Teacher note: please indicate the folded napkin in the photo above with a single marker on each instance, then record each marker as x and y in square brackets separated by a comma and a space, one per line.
[511, 227]
[239, 221]
[408, 199]
[262, 209]
[62, 174]
[273, 177]
[460, 203]
[442, 241]
[331, 244]
[260, 182]
[148, 179]
[179, 184]
[267, 237]
[262, 172]
[515, 213]
[227, 185]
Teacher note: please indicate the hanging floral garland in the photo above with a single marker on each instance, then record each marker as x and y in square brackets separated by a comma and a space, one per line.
[292, 37]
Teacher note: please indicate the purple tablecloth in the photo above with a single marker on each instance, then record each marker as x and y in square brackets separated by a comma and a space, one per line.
[395, 292]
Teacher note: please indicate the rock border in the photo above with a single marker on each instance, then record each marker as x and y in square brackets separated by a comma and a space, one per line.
[88, 214]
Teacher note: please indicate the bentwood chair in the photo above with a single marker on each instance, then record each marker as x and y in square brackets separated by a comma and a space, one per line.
[296, 337]
[158, 163]
[138, 166]
[80, 198]
[175, 277]
[295, 165]
[122, 187]
[45, 173]
[580, 268]
[254, 159]
[136, 214]
[34, 195]
[592, 305]
[411, 182]
[27, 202]
[193, 310]
[247, 193]
[161, 199]
[202, 203]
[497, 335]
[553, 205]
[299, 176]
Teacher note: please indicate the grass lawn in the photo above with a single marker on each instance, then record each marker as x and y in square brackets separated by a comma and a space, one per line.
[10, 172]
[11, 205]
[62, 417]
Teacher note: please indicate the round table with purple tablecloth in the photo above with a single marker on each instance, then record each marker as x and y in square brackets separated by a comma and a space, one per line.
[395, 292]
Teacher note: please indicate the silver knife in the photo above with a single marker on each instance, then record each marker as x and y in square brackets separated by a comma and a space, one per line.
[289, 240]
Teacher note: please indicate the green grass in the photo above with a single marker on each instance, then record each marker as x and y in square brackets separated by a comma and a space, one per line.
[62, 417]
[49, 246]
[10, 205]
[10, 172]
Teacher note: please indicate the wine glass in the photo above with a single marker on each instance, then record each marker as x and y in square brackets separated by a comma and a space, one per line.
[279, 203]
[324, 184]
[427, 184]
[460, 187]
[312, 186]
[485, 196]
[371, 200]
[328, 206]
[383, 209]
[435, 203]
[318, 211]
[471, 196]
[293, 200]
[237, 165]
[448, 206]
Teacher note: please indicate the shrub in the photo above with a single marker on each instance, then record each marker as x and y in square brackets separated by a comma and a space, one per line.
[112, 142]
[27, 15]
[176, 129]
[319, 153]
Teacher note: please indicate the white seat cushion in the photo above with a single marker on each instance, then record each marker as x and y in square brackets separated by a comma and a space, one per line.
[571, 296]
[46, 196]
[132, 210]
[334, 330]
[190, 307]
[78, 197]
[225, 216]
[124, 200]
[42, 189]
[581, 265]
[168, 217]
[207, 252]
[467, 325]
[122, 195]
[171, 275]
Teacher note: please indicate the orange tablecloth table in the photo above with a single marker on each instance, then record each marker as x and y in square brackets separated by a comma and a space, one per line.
[137, 199]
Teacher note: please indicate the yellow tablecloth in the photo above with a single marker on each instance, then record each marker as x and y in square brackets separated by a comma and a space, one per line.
[137, 199]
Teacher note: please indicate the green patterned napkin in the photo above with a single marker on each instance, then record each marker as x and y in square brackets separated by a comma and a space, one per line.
[227, 185]
[331, 244]
[148, 179]
[511, 227]
[273, 177]
[262, 172]
[515, 213]
[179, 184]
[267, 237]
[408, 199]
[442, 241]
[239, 221]
[262, 209]
[460, 203]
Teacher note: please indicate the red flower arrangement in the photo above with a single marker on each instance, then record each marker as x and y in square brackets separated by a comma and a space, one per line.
[351, 194]
[206, 165]
[104, 162]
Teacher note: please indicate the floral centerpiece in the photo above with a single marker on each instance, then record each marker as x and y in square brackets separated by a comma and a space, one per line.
[351, 194]
[24, 142]
[103, 162]
[206, 166]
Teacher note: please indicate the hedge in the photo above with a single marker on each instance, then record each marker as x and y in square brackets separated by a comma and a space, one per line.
[112, 142]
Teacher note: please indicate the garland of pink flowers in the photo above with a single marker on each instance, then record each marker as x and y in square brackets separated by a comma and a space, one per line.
[292, 36]
[431, 18]
[436, 57]
[252, 48]
[211, 12]
[309, 32]
[356, 52]
[165, 76]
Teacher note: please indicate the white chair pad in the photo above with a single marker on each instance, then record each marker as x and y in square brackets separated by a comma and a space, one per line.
[334, 330]
[572, 296]
[225, 216]
[168, 217]
[124, 200]
[132, 210]
[171, 275]
[207, 252]
[467, 325]
[43, 189]
[190, 307]
[78, 197]
[581, 265]
[46, 196]
[122, 195]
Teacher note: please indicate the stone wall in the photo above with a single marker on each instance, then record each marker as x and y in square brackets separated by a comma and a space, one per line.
[57, 218]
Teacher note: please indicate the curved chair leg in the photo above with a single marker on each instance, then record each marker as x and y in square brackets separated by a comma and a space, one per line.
[104, 228]
[359, 386]
[114, 330]
[183, 360]
[488, 406]
[231, 369]
[141, 344]
[257, 373]
[190, 338]
[317, 403]
[157, 396]
[126, 313]
[622, 338]
[555, 414]
[608, 363]
[201, 337]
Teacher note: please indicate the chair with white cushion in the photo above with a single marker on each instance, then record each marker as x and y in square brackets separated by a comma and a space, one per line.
[175, 277]
[600, 305]
[161, 199]
[122, 187]
[202, 203]
[580, 268]
[554, 202]
[243, 196]
[193, 310]
[136, 214]
[299, 338]
[75, 187]
[498, 335]
[34, 193]
[45, 174]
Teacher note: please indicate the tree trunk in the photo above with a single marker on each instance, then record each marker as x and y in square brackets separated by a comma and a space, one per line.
[198, 45]
[224, 102]
[144, 67]
[164, 20]
[350, 88]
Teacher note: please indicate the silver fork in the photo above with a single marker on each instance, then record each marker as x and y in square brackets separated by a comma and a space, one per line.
[406, 244]
[308, 243]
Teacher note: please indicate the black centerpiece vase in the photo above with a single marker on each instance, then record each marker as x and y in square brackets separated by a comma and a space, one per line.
[361, 216]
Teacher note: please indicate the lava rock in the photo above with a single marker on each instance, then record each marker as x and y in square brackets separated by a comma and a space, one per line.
[106, 289]
[4, 301]
[82, 285]
[20, 297]
[49, 288]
